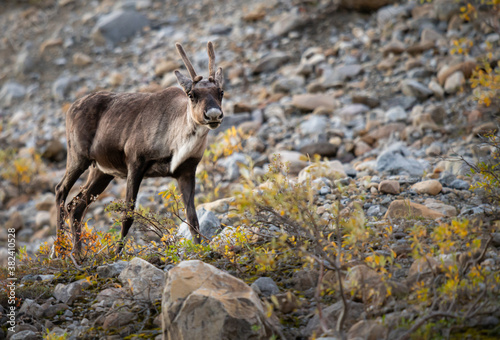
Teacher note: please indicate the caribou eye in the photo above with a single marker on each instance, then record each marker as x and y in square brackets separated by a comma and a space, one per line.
[190, 95]
[222, 93]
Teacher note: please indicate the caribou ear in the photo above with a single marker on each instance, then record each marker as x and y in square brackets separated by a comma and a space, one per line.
[219, 77]
[185, 82]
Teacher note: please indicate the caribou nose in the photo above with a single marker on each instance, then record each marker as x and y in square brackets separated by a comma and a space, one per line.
[213, 114]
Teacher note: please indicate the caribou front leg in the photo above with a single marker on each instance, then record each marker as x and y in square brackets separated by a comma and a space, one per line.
[186, 187]
[134, 179]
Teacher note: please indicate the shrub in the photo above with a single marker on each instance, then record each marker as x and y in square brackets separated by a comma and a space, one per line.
[19, 169]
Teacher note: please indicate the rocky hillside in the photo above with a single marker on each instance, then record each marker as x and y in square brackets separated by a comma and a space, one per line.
[381, 90]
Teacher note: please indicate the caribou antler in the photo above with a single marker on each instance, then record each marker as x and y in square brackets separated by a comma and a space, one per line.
[188, 64]
[211, 61]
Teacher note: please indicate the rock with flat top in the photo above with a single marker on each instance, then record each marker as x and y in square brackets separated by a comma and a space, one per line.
[410, 210]
[202, 302]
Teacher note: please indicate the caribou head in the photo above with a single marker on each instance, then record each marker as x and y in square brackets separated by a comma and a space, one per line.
[205, 95]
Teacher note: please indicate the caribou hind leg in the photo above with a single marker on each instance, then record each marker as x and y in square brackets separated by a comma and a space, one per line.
[73, 172]
[97, 182]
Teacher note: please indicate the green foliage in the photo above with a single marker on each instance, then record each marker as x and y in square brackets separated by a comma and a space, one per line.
[488, 171]
[458, 286]
[485, 80]
[209, 173]
[55, 335]
[289, 208]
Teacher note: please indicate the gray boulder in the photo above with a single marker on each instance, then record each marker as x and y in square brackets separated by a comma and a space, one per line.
[70, 292]
[232, 165]
[209, 225]
[265, 286]
[202, 302]
[314, 125]
[111, 269]
[10, 93]
[144, 280]
[62, 86]
[415, 89]
[120, 25]
[271, 62]
[396, 161]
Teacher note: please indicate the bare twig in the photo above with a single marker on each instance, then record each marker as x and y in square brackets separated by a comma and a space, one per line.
[317, 297]
[74, 261]
[345, 309]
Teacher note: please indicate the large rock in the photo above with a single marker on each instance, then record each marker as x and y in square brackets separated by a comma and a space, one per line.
[209, 225]
[119, 319]
[430, 35]
[431, 187]
[445, 209]
[323, 149]
[314, 125]
[466, 67]
[369, 286]
[111, 269]
[286, 85]
[352, 110]
[389, 187]
[203, 302]
[411, 87]
[368, 99]
[119, 25]
[408, 209]
[424, 265]
[265, 286]
[331, 315]
[289, 22]
[311, 101]
[333, 170]
[24, 335]
[10, 93]
[62, 86]
[390, 14]
[232, 165]
[454, 82]
[365, 5]
[383, 132]
[271, 62]
[395, 161]
[445, 9]
[109, 296]
[70, 292]
[395, 114]
[144, 280]
[45, 202]
[42, 218]
[336, 76]
[26, 60]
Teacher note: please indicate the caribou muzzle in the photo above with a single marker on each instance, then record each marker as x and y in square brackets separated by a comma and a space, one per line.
[213, 118]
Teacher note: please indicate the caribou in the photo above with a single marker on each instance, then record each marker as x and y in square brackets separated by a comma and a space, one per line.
[139, 135]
